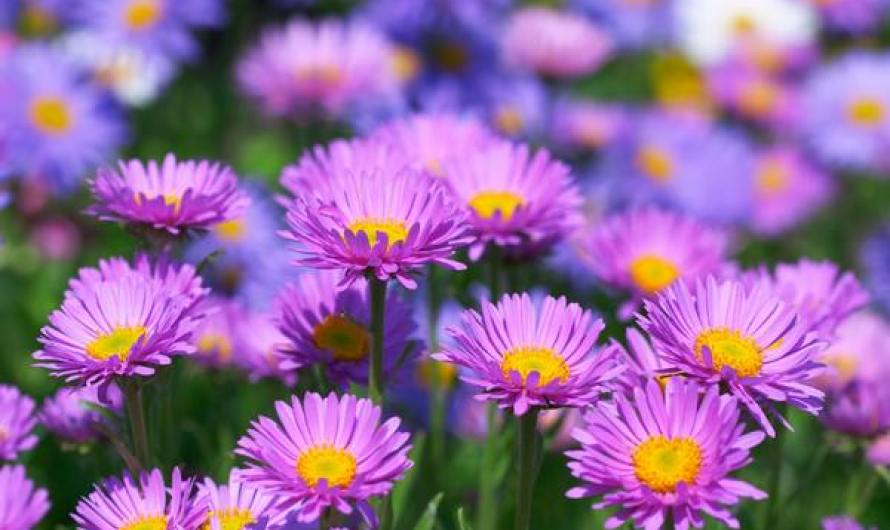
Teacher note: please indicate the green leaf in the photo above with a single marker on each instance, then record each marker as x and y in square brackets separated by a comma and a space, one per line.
[462, 523]
[427, 521]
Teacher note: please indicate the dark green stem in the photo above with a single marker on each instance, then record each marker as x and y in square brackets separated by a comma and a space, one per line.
[487, 517]
[378, 307]
[526, 426]
[327, 520]
[771, 510]
[438, 388]
[495, 274]
[136, 417]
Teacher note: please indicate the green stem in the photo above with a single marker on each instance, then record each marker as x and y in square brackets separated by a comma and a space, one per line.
[136, 417]
[526, 432]
[771, 509]
[865, 496]
[438, 388]
[487, 517]
[495, 275]
[327, 520]
[378, 307]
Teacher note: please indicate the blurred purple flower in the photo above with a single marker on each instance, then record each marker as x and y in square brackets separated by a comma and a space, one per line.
[17, 421]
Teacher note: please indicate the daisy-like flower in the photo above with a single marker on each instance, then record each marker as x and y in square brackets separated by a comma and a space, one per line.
[554, 43]
[325, 452]
[642, 363]
[855, 17]
[842, 522]
[71, 415]
[662, 455]
[646, 249]
[329, 65]
[22, 505]
[516, 199]
[632, 24]
[861, 409]
[257, 344]
[121, 327]
[237, 505]
[54, 124]
[331, 327]
[587, 125]
[389, 224]
[745, 337]
[17, 422]
[146, 504]
[846, 111]
[171, 196]
[753, 94]
[214, 336]
[515, 106]
[525, 356]
[178, 278]
[858, 351]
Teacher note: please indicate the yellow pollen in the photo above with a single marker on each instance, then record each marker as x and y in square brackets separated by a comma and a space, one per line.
[758, 98]
[486, 203]
[653, 273]
[661, 463]
[328, 75]
[866, 112]
[170, 199]
[395, 230]
[117, 343]
[655, 163]
[229, 519]
[678, 83]
[51, 115]
[509, 120]
[526, 360]
[730, 348]
[142, 14]
[215, 343]
[772, 178]
[743, 25]
[345, 339]
[337, 466]
[844, 364]
[231, 231]
[37, 21]
[158, 522]
[405, 63]
[432, 372]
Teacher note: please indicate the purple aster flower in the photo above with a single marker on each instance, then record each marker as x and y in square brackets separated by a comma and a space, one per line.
[846, 111]
[526, 356]
[257, 343]
[117, 327]
[642, 363]
[856, 17]
[858, 352]
[17, 422]
[237, 505]
[878, 452]
[787, 190]
[331, 327]
[516, 106]
[632, 24]
[554, 43]
[665, 454]
[860, 409]
[646, 249]
[54, 124]
[875, 257]
[170, 196]
[386, 223]
[755, 95]
[746, 338]
[842, 522]
[516, 198]
[587, 125]
[214, 336]
[21, 505]
[157, 26]
[146, 503]
[71, 415]
[331, 452]
[178, 278]
[329, 65]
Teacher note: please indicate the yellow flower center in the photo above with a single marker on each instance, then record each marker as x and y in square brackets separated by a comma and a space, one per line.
[142, 14]
[341, 336]
[661, 463]
[509, 120]
[486, 203]
[758, 98]
[395, 230]
[652, 273]
[655, 163]
[843, 363]
[866, 112]
[451, 56]
[118, 343]
[678, 83]
[158, 522]
[337, 466]
[526, 360]
[772, 178]
[170, 199]
[730, 348]
[37, 21]
[405, 63]
[229, 519]
[215, 343]
[743, 25]
[434, 372]
[51, 115]
[231, 231]
[328, 75]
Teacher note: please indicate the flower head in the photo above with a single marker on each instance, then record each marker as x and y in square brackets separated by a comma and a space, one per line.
[71, 416]
[747, 338]
[588, 125]
[854, 17]
[17, 422]
[632, 24]
[860, 409]
[214, 336]
[331, 452]
[236, 505]
[526, 356]
[257, 344]
[858, 351]
[21, 505]
[171, 196]
[665, 453]
[842, 522]
[179, 278]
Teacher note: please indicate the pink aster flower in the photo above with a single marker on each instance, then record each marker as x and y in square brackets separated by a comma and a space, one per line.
[180, 278]
[665, 454]
[21, 505]
[747, 338]
[170, 196]
[146, 503]
[861, 409]
[257, 344]
[642, 362]
[71, 413]
[516, 198]
[331, 327]
[554, 43]
[236, 505]
[214, 336]
[17, 422]
[325, 452]
[858, 351]
[842, 522]
[526, 356]
[389, 224]
[878, 452]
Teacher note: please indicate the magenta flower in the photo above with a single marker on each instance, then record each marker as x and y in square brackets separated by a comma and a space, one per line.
[860, 409]
[661, 455]
[71, 415]
[17, 422]
[21, 505]
[179, 278]
[746, 338]
[516, 199]
[388, 224]
[170, 196]
[842, 522]
[642, 362]
[326, 452]
[858, 352]
[147, 504]
[214, 336]
[331, 327]
[257, 344]
[236, 505]
[526, 356]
